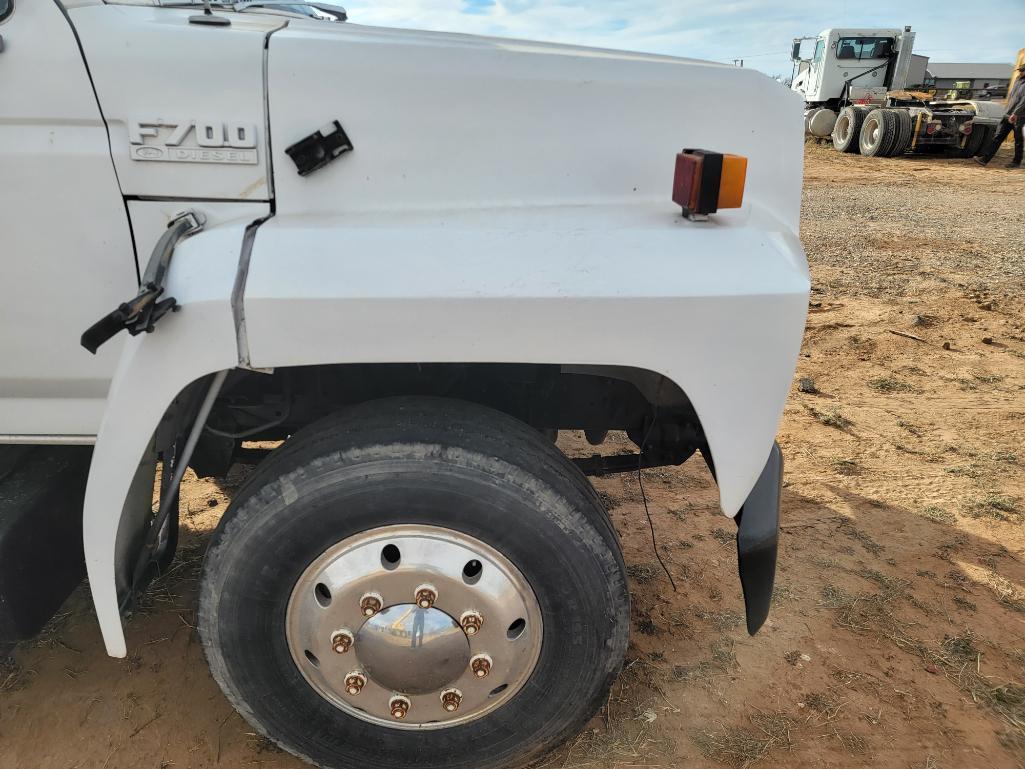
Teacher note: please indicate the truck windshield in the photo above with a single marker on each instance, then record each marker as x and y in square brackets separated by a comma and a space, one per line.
[864, 47]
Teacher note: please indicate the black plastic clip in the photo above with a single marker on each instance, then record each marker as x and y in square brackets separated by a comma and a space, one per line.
[319, 148]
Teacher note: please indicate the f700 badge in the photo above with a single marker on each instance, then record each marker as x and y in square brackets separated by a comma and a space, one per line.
[193, 141]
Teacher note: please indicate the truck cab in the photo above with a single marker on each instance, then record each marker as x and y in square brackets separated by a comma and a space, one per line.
[845, 59]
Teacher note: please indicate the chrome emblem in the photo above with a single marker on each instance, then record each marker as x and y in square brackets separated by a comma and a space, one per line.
[193, 141]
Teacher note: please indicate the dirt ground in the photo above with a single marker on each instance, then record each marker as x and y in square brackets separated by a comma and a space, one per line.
[897, 635]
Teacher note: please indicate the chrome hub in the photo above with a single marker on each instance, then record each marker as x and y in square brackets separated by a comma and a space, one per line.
[414, 627]
[412, 650]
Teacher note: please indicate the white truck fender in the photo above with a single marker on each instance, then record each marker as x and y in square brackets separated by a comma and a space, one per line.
[717, 307]
[153, 369]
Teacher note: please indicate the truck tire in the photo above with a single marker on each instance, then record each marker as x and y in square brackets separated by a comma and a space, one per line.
[878, 133]
[847, 128]
[975, 142]
[905, 126]
[378, 592]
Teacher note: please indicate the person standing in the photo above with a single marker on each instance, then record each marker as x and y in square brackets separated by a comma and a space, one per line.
[1012, 122]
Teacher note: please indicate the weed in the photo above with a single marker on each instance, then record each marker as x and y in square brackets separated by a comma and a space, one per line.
[721, 620]
[783, 594]
[960, 647]
[996, 506]
[863, 539]
[968, 471]
[889, 384]
[795, 658]
[988, 378]
[938, 514]
[646, 627]
[846, 467]
[724, 537]
[964, 603]
[643, 573]
[915, 431]
[831, 419]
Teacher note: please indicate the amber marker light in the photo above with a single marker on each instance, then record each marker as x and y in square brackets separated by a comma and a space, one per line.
[707, 181]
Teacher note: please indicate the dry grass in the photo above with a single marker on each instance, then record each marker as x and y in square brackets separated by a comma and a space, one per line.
[742, 747]
[997, 506]
[938, 514]
[831, 418]
[846, 467]
[631, 733]
[889, 384]
[957, 657]
[643, 573]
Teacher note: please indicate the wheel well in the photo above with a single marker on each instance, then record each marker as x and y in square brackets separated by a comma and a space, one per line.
[649, 407]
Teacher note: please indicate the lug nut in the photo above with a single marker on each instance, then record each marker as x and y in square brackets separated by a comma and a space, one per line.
[370, 604]
[426, 595]
[399, 707]
[481, 665]
[342, 641]
[354, 683]
[471, 622]
[450, 699]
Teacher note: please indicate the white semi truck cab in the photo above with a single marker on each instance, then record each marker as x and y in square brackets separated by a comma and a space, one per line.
[849, 64]
[854, 89]
[405, 260]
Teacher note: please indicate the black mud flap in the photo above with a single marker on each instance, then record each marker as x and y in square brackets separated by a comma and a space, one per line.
[758, 539]
[42, 489]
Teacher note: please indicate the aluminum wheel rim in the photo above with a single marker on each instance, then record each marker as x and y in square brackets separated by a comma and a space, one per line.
[354, 608]
[843, 128]
[873, 132]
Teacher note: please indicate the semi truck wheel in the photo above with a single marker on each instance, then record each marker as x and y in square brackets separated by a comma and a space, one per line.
[905, 127]
[416, 582]
[848, 128]
[980, 136]
[878, 133]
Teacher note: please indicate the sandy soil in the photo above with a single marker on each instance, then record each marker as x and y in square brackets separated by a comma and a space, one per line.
[897, 636]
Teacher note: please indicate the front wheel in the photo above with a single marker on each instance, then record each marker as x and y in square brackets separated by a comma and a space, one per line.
[416, 583]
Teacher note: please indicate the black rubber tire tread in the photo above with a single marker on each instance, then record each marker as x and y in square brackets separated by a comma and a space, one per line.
[888, 130]
[324, 432]
[905, 127]
[326, 483]
[976, 142]
[891, 132]
[857, 117]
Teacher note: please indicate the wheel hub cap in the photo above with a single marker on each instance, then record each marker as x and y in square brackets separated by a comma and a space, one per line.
[414, 627]
[412, 650]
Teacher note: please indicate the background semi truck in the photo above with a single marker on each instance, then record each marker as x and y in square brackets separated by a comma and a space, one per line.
[399, 280]
[855, 91]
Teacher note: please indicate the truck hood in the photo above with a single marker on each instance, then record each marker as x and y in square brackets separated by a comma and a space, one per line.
[444, 122]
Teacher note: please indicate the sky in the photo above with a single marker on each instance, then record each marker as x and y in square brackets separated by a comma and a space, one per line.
[758, 31]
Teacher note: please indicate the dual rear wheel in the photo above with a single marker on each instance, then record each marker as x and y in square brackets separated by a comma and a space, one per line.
[873, 132]
[416, 582]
